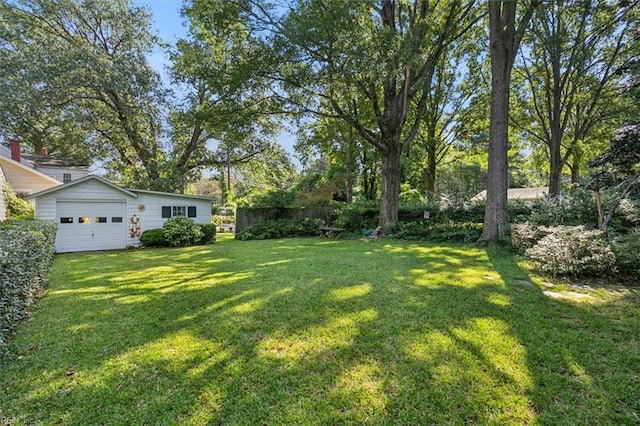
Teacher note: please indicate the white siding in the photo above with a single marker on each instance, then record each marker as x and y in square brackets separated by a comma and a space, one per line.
[148, 209]
[58, 173]
[3, 205]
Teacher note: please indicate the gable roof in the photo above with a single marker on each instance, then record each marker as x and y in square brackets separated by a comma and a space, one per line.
[79, 181]
[146, 191]
[128, 191]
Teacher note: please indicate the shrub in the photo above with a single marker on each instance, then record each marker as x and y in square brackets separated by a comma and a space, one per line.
[153, 238]
[308, 227]
[439, 232]
[26, 253]
[358, 216]
[208, 233]
[180, 231]
[573, 208]
[19, 209]
[526, 235]
[268, 230]
[573, 251]
[626, 249]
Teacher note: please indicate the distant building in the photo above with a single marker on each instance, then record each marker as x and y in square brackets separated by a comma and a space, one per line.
[522, 194]
[62, 170]
[21, 174]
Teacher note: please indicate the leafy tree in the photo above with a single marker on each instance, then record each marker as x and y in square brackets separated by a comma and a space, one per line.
[323, 54]
[227, 119]
[618, 168]
[573, 51]
[77, 69]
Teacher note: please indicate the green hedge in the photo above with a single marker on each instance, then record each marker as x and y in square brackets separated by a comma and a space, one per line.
[281, 228]
[179, 232]
[26, 253]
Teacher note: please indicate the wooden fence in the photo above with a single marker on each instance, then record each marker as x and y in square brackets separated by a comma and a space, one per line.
[248, 216]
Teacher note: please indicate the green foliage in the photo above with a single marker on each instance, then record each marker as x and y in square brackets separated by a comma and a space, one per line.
[439, 232]
[572, 208]
[270, 198]
[26, 253]
[153, 238]
[180, 231]
[526, 235]
[208, 233]
[281, 228]
[75, 79]
[18, 208]
[573, 251]
[626, 248]
[270, 229]
[358, 216]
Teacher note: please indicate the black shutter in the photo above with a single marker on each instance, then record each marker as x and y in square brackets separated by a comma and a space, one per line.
[191, 211]
[166, 211]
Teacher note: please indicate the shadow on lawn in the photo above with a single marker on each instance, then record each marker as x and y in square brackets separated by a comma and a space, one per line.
[320, 333]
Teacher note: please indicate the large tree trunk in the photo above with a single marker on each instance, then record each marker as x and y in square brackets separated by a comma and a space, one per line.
[555, 173]
[390, 195]
[504, 38]
[495, 217]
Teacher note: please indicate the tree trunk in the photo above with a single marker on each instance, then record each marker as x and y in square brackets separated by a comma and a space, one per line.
[390, 195]
[431, 172]
[504, 39]
[555, 175]
[495, 217]
[556, 162]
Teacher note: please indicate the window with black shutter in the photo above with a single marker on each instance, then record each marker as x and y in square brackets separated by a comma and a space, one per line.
[166, 211]
[191, 211]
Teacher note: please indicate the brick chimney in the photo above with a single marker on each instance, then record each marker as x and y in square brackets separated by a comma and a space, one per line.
[15, 150]
[44, 151]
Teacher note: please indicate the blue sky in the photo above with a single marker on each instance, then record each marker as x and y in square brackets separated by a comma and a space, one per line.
[170, 26]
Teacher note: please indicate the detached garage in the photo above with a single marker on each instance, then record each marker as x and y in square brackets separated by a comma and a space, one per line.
[95, 214]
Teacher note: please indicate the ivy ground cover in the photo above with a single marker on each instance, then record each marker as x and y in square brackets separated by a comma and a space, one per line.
[313, 331]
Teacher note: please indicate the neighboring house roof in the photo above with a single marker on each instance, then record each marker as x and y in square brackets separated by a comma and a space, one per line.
[517, 194]
[48, 161]
[6, 152]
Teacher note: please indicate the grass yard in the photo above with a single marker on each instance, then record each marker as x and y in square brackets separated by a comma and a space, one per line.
[313, 331]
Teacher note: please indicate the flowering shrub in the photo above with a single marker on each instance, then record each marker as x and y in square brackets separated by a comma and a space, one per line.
[573, 251]
[26, 253]
[526, 235]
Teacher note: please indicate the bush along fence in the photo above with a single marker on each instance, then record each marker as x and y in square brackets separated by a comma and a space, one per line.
[26, 254]
[251, 216]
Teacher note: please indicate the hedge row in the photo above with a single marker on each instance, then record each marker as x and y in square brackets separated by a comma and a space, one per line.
[26, 253]
[179, 231]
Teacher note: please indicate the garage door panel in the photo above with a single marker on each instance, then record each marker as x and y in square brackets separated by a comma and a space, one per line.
[86, 226]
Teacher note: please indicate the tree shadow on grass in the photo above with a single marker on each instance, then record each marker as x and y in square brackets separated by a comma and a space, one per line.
[316, 333]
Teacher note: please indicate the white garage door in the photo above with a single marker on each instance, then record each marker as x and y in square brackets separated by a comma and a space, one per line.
[86, 226]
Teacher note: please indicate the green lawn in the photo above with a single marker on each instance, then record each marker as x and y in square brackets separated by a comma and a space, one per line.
[314, 331]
